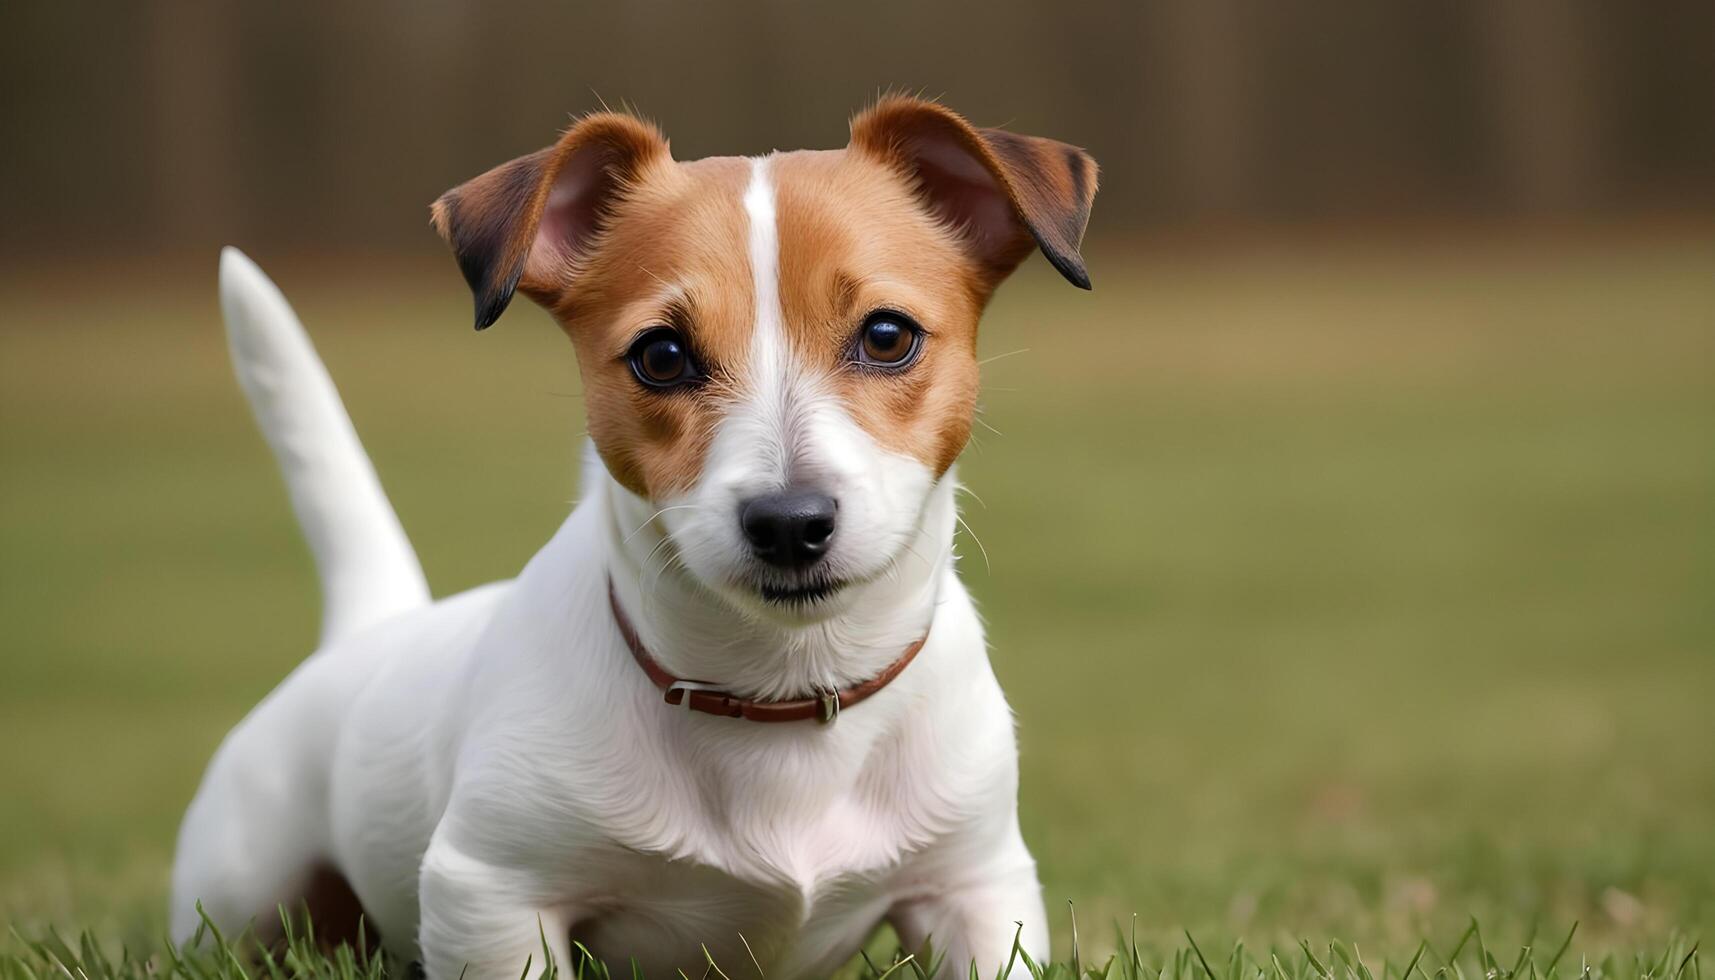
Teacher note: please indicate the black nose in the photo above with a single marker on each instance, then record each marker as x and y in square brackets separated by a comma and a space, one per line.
[788, 530]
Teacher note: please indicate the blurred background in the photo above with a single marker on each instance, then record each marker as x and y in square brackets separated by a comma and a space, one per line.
[325, 125]
[1348, 553]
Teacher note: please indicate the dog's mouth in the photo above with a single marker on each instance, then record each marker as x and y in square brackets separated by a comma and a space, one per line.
[800, 595]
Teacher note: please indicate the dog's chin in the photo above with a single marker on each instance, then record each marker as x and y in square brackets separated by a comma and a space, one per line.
[803, 599]
[806, 596]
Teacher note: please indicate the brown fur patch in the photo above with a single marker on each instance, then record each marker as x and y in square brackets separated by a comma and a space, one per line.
[676, 254]
[853, 240]
[974, 177]
[491, 220]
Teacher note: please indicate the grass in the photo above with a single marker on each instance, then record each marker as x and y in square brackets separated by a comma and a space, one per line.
[212, 956]
[1342, 590]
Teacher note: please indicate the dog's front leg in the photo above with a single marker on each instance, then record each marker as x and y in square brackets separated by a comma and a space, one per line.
[485, 921]
[978, 919]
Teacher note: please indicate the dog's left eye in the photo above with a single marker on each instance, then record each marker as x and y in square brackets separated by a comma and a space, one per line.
[661, 359]
[888, 340]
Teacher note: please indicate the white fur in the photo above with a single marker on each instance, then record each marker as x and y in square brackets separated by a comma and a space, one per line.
[366, 565]
[494, 767]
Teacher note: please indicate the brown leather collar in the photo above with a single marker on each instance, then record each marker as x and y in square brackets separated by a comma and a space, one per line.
[709, 699]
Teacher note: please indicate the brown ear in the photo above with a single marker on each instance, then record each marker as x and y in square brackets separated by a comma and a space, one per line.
[1002, 191]
[523, 224]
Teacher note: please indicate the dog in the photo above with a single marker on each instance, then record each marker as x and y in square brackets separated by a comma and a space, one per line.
[739, 706]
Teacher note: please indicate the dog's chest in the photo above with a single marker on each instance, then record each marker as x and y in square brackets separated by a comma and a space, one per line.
[801, 866]
[677, 908]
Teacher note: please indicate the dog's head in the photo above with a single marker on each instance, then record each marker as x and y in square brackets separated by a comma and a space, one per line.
[777, 353]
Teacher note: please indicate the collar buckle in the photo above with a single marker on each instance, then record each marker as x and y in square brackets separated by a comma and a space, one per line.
[684, 689]
[827, 705]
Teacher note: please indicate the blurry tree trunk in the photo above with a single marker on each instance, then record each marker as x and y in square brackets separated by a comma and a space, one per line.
[1204, 62]
[1545, 114]
[193, 50]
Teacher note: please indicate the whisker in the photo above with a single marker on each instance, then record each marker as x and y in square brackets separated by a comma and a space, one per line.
[652, 591]
[644, 568]
[919, 556]
[673, 560]
[989, 567]
[652, 517]
[997, 357]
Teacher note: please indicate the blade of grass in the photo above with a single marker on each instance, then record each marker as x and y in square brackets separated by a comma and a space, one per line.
[1564, 945]
[1207, 972]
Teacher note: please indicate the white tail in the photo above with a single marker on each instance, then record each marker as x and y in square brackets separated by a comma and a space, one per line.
[367, 566]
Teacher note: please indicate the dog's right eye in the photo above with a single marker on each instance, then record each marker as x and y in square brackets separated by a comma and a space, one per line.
[661, 359]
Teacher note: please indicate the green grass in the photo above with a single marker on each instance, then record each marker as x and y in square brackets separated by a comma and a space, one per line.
[212, 956]
[1341, 591]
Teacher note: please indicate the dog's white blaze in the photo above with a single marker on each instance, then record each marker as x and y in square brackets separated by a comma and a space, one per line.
[768, 373]
[764, 242]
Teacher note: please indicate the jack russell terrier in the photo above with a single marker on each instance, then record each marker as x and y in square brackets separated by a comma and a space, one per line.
[740, 699]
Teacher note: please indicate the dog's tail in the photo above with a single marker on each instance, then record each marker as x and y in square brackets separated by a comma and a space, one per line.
[367, 566]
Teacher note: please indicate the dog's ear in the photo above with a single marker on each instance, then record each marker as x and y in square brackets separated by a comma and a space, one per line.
[525, 223]
[1001, 191]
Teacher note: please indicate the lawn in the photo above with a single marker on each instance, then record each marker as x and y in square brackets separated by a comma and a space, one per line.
[1345, 589]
